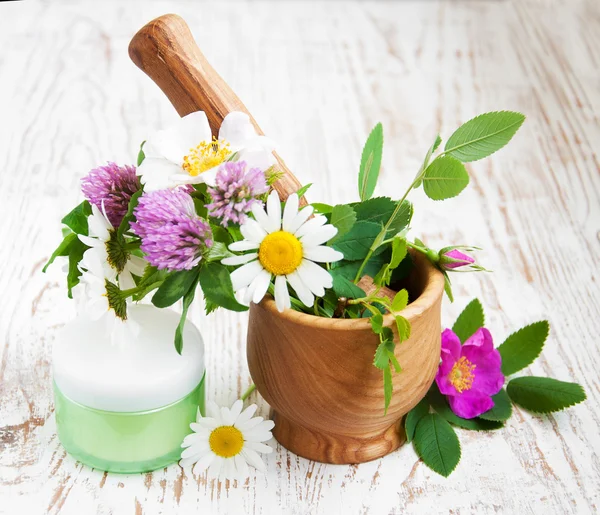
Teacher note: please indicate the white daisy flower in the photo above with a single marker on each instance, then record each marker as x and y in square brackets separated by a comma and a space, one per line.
[226, 441]
[186, 153]
[102, 301]
[287, 248]
[105, 256]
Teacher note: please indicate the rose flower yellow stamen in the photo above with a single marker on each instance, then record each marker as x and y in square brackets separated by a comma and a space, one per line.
[461, 375]
[206, 156]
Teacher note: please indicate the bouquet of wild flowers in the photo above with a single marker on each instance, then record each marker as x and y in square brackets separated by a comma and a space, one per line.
[202, 211]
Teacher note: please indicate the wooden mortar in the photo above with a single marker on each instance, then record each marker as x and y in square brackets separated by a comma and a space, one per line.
[316, 373]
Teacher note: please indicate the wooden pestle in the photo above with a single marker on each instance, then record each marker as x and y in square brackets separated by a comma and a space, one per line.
[166, 51]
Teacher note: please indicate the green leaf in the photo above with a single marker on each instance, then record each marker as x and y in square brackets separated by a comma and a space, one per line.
[502, 409]
[543, 394]
[445, 178]
[355, 244]
[343, 218]
[304, 189]
[377, 323]
[381, 359]
[403, 327]
[521, 348]
[76, 220]
[413, 417]
[400, 300]
[370, 163]
[483, 135]
[217, 252]
[188, 298]
[432, 149]
[141, 156]
[175, 286]
[388, 387]
[471, 319]
[448, 287]
[76, 251]
[436, 444]
[221, 234]
[62, 250]
[380, 209]
[398, 252]
[346, 288]
[216, 285]
[441, 406]
[133, 202]
[322, 208]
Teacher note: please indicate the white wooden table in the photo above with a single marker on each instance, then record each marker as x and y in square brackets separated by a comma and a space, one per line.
[318, 76]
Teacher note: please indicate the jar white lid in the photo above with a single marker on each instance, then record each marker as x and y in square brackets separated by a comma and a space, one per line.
[142, 374]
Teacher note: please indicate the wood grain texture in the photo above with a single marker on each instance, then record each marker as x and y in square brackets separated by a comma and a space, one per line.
[318, 375]
[70, 99]
[166, 51]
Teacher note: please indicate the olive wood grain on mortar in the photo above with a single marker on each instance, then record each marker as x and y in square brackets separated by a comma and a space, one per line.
[166, 51]
[318, 375]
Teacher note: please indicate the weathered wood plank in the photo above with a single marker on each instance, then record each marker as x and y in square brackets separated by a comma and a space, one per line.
[318, 76]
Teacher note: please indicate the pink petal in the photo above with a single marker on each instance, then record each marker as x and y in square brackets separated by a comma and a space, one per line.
[470, 404]
[451, 344]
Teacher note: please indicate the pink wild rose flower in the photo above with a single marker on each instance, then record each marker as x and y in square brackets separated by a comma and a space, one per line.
[469, 374]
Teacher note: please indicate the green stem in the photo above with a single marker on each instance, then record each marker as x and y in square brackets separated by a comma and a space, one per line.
[247, 393]
[386, 227]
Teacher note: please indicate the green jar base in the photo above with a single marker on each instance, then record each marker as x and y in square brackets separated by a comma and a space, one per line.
[126, 443]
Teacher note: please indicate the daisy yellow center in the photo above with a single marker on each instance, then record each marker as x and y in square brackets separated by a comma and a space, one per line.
[205, 156]
[462, 376]
[226, 441]
[280, 253]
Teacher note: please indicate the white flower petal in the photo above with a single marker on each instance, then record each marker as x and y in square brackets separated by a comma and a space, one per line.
[206, 177]
[290, 211]
[303, 292]
[282, 296]
[263, 219]
[214, 471]
[126, 281]
[203, 463]
[241, 467]
[323, 254]
[258, 436]
[213, 411]
[249, 293]
[274, 209]
[176, 142]
[157, 174]
[320, 275]
[90, 242]
[311, 279]
[237, 130]
[239, 260]
[228, 471]
[262, 285]
[303, 215]
[193, 458]
[261, 159]
[226, 416]
[199, 448]
[240, 246]
[252, 231]
[310, 226]
[236, 410]
[253, 459]
[209, 423]
[136, 265]
[318, 236]
[243, 276]
[246, 415]
[250, 424]
[259, 447]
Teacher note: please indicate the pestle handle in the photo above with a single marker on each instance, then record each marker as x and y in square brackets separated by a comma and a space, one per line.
[165, 50]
